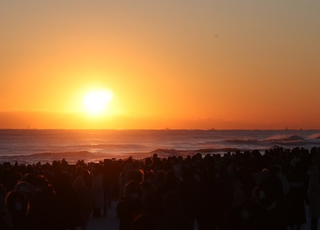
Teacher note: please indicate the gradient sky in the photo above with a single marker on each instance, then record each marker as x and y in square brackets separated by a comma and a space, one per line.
[249, 64]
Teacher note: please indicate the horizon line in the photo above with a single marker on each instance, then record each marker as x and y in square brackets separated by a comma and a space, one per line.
[163, 129]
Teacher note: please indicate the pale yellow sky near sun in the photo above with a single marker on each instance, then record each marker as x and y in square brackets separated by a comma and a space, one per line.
[169, 64]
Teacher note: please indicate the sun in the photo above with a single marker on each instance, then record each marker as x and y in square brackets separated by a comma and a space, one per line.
[95, 102]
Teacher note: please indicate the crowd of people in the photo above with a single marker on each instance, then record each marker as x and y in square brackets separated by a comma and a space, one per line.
[246, 190]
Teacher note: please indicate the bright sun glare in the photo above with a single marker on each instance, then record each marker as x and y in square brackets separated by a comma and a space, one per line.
[95, 102]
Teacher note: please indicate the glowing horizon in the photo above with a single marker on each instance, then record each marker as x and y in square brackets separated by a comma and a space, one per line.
[169, 64]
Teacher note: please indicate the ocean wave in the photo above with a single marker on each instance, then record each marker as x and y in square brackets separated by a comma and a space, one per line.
[243, 142]
[94, 145]
[73, 157]
[291, 143]
[314, 136]
[285, 138]
[87, 156]
[279, 140]
[58, 154]
[115, 146]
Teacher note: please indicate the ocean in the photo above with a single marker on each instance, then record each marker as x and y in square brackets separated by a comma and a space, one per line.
[30, 146]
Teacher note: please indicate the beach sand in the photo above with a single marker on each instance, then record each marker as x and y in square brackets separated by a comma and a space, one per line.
[110, 221]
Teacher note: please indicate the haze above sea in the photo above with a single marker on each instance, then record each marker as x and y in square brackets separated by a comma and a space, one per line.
[32, 145]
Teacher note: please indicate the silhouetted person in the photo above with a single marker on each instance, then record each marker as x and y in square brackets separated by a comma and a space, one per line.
[18, 206]
[242, 215]
[271, 214]
[85, 199]
[173, 218]
[297, 193]
[3, 212]
[130, 205]
[97, 191]
[26, 189]
[110, 176]
[314, 197]
[223, 191]
[44, 208]
[68, 202]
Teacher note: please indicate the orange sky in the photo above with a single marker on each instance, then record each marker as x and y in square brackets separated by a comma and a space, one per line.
[169, 64]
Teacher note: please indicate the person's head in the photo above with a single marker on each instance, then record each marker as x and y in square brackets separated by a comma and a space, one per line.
[79, 171]
[25, 188]
[133, 190]
[150, 177]
[86, 173]
[313, 171]
[138, 175]
[96, 170]
[17, 203]
[40, 183]
[43, 186]
[29, 177]
[148, 161]
[275, 170]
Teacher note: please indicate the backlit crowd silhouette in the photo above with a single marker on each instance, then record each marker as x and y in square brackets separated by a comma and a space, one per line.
[247, 190]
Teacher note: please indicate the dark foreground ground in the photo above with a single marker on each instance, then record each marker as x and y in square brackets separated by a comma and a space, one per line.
[111, 221]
